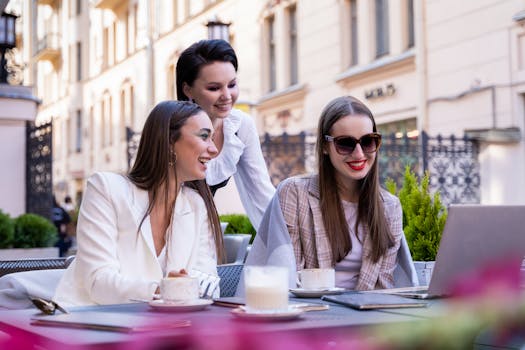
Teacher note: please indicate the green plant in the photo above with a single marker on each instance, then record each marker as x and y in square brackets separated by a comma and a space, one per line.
[34, 231]
[7, 230]
[424, 215]
[238, 223]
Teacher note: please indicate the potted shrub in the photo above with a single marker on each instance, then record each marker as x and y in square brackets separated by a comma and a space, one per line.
[238, 223]
[7, 230]
[34, 237]
[424, 219]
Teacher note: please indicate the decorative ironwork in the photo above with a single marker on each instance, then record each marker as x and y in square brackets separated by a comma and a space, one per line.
[132, 140]
[452, 163]
[39, 162]
[15, 70]
[395, 154]
[454, 168]
[287, 155]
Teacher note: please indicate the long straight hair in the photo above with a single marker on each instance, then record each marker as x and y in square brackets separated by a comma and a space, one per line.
[370, 209]
[151, 169]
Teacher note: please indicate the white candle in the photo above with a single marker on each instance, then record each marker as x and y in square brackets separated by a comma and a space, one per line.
[266, 288]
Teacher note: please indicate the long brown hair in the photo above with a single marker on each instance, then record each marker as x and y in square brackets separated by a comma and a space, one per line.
[152, 165]
[370, 209]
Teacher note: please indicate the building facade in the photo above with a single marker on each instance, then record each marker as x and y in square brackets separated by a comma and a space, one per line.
[440, 66]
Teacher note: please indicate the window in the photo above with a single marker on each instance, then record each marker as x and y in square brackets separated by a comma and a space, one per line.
[71, 67]
[103, 124]
[172, 84]
[292, 18]
[399, 128]
[126, 34]
[381, 27]
[92, 124]
[135, 27]
[410, 18]
[114, 43]
[78, 145]
[353, 33]
[79, 60]
[79, 7]
[67, 134]
[110, 122]
[106, 123]
[105, 47]
[126, 109]
[271, 55]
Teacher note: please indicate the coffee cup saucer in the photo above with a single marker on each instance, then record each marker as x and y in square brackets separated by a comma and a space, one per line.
[272, 315]
[180, 306]
[315, 293]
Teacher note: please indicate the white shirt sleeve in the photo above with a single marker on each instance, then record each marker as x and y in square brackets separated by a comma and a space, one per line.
[242, 157]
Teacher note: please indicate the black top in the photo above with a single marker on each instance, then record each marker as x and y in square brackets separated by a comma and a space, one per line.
[214, 188]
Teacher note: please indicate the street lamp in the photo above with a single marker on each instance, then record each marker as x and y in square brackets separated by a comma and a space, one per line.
[218, 29]
[7, 41]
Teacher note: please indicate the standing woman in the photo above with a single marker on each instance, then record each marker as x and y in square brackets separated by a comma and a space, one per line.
[157, 220]
[340, 218]
[207, 75]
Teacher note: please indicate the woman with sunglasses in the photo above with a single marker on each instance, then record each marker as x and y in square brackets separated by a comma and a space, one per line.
[338, 218]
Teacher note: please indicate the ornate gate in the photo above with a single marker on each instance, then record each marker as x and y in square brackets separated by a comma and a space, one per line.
[39, 161]
[452, 162]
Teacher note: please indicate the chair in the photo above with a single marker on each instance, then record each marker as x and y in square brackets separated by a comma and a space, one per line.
[10, 266]
[230, 275]
[236, 247]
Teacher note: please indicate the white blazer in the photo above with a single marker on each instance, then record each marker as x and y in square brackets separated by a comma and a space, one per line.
[115, 260]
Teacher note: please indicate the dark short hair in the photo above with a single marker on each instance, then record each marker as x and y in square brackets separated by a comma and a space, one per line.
[198, 55]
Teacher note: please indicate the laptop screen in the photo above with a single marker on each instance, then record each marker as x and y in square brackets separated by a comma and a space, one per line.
[475, 237]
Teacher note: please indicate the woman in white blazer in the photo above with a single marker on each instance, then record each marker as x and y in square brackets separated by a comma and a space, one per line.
[157, 220]
[207, 74]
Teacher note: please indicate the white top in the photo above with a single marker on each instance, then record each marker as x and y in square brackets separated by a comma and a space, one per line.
[163, 260]
[242, 158]
[116, 261]
[347, 270]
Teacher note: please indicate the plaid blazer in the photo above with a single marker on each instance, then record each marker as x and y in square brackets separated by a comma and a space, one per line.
[299, 200]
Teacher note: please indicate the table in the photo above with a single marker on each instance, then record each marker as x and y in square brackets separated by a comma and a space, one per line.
[213, 327]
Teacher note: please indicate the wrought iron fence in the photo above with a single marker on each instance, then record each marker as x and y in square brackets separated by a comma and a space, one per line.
[39, 184]
[453, 166]
[451, 162]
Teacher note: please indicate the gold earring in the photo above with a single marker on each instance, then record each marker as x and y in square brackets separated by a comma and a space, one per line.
[174, 159]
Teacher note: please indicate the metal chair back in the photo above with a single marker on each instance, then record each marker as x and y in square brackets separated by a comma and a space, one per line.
[236, 245]
[10, 266]
[230, 275]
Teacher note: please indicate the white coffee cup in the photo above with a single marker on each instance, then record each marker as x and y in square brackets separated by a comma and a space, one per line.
[182, 288]
[266, 288]
[316, 278]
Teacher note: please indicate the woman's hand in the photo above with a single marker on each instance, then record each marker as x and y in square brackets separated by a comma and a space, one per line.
[181, 273]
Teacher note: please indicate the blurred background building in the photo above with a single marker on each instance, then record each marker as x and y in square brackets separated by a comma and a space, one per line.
[423, 67]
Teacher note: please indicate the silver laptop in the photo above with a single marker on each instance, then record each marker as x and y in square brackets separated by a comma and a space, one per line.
[474, 237]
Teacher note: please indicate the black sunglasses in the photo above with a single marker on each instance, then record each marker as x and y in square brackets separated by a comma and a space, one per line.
[346, 144]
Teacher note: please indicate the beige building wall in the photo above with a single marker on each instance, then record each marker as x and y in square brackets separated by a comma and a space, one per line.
[18, 105]
[476, 81]
[463, 53]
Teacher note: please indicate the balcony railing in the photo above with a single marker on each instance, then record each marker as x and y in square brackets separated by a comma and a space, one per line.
[108, 4]
[47, 2]
[48, 47]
